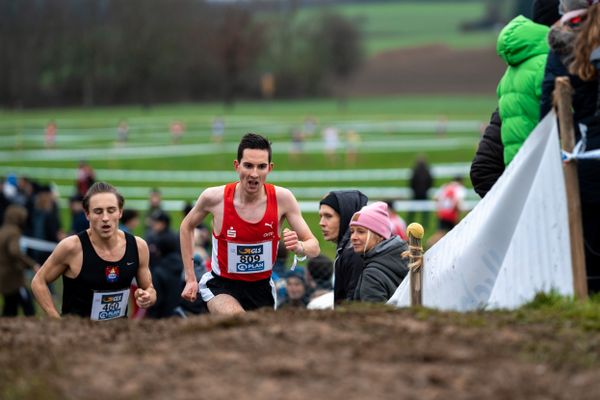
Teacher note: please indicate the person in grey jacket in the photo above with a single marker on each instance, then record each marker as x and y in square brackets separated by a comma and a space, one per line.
[385, 268]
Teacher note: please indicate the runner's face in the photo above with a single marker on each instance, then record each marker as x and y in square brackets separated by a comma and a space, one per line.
[253, 169]
[358, 238]
[104, 214]
[329, 221]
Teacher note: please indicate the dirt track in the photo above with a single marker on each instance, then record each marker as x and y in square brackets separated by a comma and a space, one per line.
[432, 69]
[354, 353]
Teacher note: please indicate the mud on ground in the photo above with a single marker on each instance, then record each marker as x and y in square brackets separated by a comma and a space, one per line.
[355, 352]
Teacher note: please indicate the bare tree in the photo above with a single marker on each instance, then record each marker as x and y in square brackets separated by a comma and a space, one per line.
[341, 47]
[237, 44]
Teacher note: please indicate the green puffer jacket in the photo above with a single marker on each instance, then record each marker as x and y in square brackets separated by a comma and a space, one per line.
[522, 44]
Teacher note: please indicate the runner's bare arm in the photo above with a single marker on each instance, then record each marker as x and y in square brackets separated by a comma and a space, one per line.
[204, 205]
[299, 239]
[145, 295]
[55, 266]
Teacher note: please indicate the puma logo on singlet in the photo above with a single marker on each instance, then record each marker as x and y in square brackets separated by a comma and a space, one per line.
[269, 224]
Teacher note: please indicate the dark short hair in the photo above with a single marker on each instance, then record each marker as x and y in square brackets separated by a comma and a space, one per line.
[167, 243]
[75, 198]
[187, 207]
[545, 12]
[320, 267]
[161, 216]
[390, 203]
[128, 215]
[102, 187]
[253, 141]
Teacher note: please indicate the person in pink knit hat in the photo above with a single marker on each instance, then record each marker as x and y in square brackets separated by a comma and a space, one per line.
[371, 237]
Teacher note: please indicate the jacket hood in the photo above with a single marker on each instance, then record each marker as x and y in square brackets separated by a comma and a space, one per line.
[15, 215]
[350, 201]
[388, 256]
[522, 39]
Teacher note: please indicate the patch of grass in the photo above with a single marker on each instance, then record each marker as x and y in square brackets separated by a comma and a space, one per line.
[567, 311]
[400, 107]
[548, 300]
[393, 25]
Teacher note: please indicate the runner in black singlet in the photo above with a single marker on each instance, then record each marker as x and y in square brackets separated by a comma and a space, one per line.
[98, 264]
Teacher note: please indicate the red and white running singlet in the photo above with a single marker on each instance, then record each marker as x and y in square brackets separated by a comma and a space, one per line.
[243, 250]
[448, 202]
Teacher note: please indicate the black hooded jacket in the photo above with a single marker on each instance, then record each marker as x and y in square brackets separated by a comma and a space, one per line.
[348, 265]
[167, 277]
[488, 164]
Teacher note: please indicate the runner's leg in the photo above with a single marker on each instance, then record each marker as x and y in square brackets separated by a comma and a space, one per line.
[224, 304]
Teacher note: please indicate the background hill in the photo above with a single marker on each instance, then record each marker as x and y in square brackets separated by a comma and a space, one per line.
[147, 52]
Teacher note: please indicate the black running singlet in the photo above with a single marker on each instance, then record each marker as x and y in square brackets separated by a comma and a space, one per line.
[101, 285]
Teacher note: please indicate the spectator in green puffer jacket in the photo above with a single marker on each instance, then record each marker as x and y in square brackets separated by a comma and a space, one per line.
[523, 45]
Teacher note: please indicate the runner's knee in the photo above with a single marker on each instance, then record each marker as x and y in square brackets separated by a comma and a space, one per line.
[224, 304]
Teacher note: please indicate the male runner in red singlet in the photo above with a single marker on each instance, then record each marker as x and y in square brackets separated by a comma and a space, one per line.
[247, 217]
[98, 264]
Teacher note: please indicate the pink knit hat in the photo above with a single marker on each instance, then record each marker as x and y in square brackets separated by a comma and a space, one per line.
[374, 217]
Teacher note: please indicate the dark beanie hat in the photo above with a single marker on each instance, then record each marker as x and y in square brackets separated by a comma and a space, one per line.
[331, 200]
[545, 12]
[296, 273]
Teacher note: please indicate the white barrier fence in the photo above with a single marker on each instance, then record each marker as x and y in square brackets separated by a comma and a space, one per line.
[512, 245]
[36, 244]
[194, 176]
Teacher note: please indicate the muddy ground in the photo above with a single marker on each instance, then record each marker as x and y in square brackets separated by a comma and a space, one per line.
[352, 353]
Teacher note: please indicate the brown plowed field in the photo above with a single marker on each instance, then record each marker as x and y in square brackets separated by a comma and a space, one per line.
[427, 70]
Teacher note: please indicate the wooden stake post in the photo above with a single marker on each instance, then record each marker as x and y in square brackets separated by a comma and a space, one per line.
[415, 263]
[562, 101]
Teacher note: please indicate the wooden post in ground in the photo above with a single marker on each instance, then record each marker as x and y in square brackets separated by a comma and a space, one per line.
[415, 263]
[563, 94]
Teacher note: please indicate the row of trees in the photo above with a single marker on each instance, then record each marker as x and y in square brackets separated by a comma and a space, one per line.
[65, 52]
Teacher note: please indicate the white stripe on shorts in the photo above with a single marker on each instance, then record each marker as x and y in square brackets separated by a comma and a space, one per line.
[203, 289]
[273, 293]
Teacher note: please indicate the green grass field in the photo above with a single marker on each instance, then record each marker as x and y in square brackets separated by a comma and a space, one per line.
[393, 131]
[378, 119]
[388, 26]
